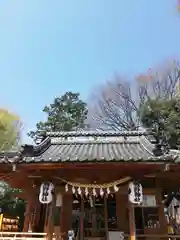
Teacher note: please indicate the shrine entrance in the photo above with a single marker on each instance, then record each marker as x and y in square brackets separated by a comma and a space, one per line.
[93, 216]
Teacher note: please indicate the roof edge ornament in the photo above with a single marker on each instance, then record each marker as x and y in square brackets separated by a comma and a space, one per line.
[14, 160]
[41, 136]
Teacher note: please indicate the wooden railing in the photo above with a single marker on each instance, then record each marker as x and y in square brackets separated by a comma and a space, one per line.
[101, 235]
[154, 237]
[22, 235]
[28, 236]
[44, 236]
[145, 237]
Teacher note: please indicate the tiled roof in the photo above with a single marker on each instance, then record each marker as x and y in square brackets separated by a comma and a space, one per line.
[90, 146]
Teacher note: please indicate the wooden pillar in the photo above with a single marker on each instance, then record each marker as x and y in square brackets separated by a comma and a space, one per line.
[121, 212]
[33, 215]
[66, 214]
[162, 219]
[106, 218]
[50, 222]
[132, 226]
[26, 217]
[94, 222]
[37, 214]
[82, 220]
[28, 213]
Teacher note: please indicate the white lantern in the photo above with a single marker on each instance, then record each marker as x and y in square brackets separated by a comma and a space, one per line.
[135, 193]
[46, 193]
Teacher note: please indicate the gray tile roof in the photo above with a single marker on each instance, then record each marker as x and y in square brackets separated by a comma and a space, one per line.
[88, 146]
[93, 146]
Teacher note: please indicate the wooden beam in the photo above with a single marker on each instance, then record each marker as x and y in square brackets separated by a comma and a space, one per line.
[95, 165]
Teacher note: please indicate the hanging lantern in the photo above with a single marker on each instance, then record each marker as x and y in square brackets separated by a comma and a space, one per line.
[79, 191]
[101, 192]
[94, 192]
[66, 187]
[46, 193]
[108, 191]
[135, 193]
[116, 188]
[86, 192]
[73, 190]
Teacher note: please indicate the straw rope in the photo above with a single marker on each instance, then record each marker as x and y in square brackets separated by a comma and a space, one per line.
[104, 185]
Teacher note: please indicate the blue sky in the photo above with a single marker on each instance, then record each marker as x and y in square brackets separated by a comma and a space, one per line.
[50, 47]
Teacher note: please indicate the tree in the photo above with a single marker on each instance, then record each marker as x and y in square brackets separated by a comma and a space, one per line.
[10, 139]
[163, 118]
[66, 113]
[116, 104]
[10, 130]
[9, 204]
[113, 107]
[178, 5]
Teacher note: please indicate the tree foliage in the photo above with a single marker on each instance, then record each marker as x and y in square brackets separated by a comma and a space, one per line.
[116, 104]
[163, 118]
[9, 204]
[10, 129]
[10, 139]
[67, 112]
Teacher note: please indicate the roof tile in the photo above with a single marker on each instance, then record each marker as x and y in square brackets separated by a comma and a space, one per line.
[91, 146]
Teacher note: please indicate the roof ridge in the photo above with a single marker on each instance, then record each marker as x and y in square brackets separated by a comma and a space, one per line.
[95, 133]
[90, 141]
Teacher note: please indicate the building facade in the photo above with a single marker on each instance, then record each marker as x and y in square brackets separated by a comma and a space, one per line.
[90, 174]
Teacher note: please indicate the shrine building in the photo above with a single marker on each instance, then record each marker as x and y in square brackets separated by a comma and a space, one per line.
[94, 183]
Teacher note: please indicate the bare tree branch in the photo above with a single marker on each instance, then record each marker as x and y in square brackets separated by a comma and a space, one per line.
[160, 83]
[115, 105]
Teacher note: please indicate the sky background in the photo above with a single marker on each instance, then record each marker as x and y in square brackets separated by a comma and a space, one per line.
[48, 47]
